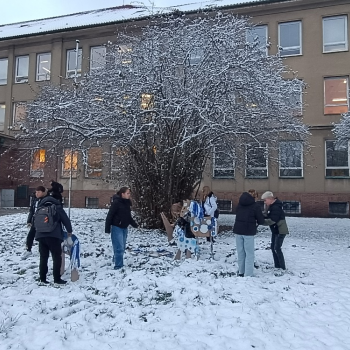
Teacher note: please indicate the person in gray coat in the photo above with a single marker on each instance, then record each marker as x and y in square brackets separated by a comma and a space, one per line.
[50, 242]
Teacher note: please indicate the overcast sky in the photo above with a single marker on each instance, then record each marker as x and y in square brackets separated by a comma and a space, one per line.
[13, 11]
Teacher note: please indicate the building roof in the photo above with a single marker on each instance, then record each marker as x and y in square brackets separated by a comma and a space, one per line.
[111, 15]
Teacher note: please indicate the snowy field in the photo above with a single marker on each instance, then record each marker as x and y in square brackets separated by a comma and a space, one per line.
[195, 305]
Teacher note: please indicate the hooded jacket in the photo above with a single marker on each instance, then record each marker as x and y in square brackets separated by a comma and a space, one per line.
[248, 216]
[119, 214]
[276, 218]
[62, 219]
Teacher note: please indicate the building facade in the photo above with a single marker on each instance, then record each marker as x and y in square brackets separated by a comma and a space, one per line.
[312, 37]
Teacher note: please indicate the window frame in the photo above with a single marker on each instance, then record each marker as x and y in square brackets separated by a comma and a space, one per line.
[345, 77]
[94, 170]
[72, 71]
[291, 212]
[15, 124]
[221, 205]
[5, 59]
[335, 43]
[91, 59]
[38, 173]
[266, 36]
[336, 167]
[38, 75]
[340, 214]
[257, 168]
[92, 206]
[291, 168]
[290, 47]
[223, 168]
[66, 173]
[24, 79]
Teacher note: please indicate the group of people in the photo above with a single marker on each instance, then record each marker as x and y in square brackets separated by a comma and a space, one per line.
[248, 217]
[45, 219]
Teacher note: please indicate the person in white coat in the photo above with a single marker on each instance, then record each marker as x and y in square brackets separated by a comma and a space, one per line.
[210, 205]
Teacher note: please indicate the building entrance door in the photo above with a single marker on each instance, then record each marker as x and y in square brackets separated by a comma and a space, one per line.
[7, 198]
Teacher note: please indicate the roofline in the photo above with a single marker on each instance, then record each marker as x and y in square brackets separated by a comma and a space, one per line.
[63, 30]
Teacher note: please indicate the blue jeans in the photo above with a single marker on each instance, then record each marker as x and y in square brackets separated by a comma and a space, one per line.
[245, 252]
[118, 236]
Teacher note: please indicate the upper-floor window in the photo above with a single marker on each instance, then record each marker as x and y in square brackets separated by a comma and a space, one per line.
[289, 39]
[147, 101]
[72, 63]
[38, 163]
[19, 113]
[336, 100]
[69, 163]
[196, 56]
[97, 57]
[22, 68]
[256, 160]
[2, 117]
[258, 33]
[94, 164]
[335, 34]
[125, 51]
[223, 163]
[337, 159]
[3, 71]
[291, 159]
[43, 66]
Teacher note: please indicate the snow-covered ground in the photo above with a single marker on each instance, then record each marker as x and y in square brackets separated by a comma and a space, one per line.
[197, 305]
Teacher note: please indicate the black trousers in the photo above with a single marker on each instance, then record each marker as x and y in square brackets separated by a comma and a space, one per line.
[49, 245]
[30, 238]
[276, 248]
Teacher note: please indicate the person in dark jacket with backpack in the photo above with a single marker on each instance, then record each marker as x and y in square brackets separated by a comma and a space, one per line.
[276, 219]
[248, 217]
[48, 220]
[117, 222]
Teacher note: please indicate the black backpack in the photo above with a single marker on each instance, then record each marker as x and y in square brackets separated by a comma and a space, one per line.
[46, 218]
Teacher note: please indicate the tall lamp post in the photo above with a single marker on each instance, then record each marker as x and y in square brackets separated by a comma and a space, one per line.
[71, 150]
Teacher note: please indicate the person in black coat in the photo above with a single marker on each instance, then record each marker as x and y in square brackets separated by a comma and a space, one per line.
[56, 190]
[117, 221]
[50, 242]
[248, 217]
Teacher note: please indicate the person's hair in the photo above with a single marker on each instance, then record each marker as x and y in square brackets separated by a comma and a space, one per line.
[123, 190]
[253, 193]
[176, 209]
[41, 188]
[267, 194]
[206, 190]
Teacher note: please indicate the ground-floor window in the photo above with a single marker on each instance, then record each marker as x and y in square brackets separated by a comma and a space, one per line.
[91, 202]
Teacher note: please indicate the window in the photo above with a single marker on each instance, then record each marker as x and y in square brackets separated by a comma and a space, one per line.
[43, 66]
[38, 163]
[71, 62]
[97, 57]
[289, 39]
[196, 56]
[256, 161]
[91, 202]
[336, 95]
[335, 37]
[125, 53]
[19, 113]
[225, 206]
[147, 101]
[223, 163]
[2, 117]
[291, 207]
[117, 154]
[337, 159]
[22, 68]
[338, 208]
[258, 33]
[291, 159]
[93, 167]
[3, 71]
[296, 99]
[69, 162]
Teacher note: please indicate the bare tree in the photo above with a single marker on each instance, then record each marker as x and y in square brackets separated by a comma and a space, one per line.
[165, 98]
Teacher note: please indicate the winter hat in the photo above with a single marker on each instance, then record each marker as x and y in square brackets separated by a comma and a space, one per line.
[267, 194]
